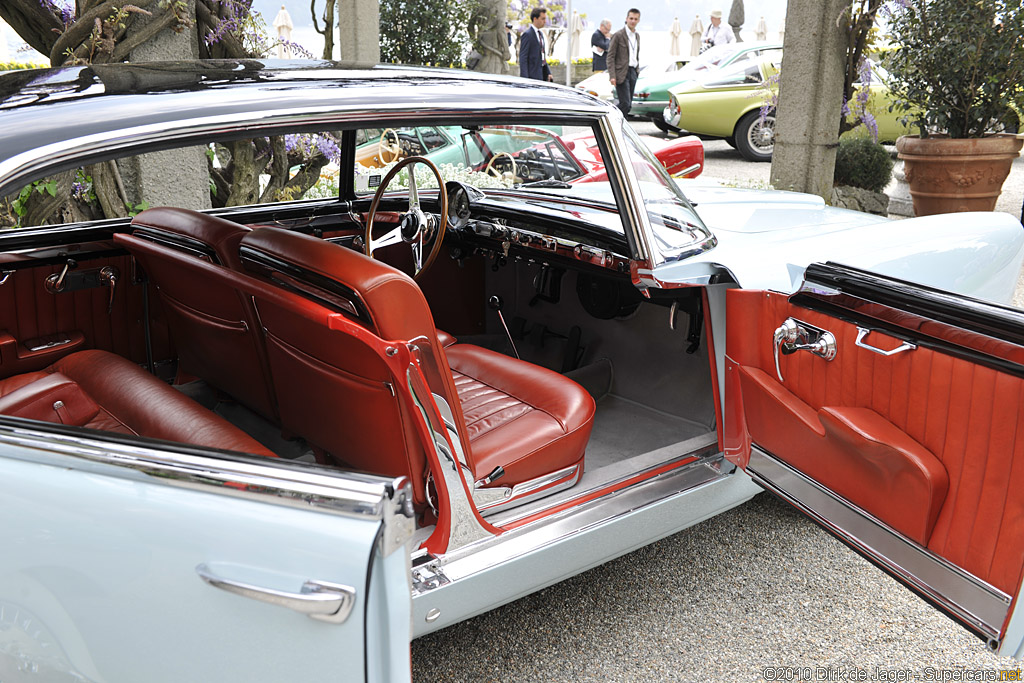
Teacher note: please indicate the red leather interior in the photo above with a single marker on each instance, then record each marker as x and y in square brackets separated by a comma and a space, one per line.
[523, 417]
[397, 307]
[219, 235]
[901, 417]
[28, 311]
[99, 390]
[214, 327]
[527, 419]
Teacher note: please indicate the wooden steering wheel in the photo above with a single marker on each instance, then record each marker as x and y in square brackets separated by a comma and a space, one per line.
[384, 145]
[494, 171]
[415, 228]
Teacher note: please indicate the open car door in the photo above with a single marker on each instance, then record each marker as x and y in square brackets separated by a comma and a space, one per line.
[114, 554]
[892, 414]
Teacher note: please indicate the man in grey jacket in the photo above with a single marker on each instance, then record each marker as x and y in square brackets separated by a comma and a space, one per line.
[624, 60]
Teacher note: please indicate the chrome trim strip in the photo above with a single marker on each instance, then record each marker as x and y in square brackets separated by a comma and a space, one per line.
[575, 520]
[280, 482]
[533, 489]
[707, 451]
[979, 605]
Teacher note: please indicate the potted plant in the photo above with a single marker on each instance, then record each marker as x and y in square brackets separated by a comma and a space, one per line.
[956, 72]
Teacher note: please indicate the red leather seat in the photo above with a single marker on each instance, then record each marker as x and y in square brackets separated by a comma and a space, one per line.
[100, 390]
[214, 327]
[527, 419]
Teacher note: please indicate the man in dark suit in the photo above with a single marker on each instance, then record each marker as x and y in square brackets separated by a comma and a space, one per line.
[624, 60]
[533, 62]
[599, 45]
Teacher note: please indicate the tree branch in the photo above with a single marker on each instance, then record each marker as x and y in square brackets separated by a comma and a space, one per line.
[36, 26]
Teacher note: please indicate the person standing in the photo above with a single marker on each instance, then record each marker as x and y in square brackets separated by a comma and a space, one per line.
[599, 45]
[624, 60]
[718, 33]
[533, 61]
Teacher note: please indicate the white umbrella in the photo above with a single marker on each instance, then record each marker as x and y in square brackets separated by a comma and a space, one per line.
[577, 29]
[283, 25]
[676, 31]
[762, 30]
[696, 30]
[782, 32]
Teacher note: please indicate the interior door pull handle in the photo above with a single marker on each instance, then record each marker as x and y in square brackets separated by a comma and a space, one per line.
[863, 332]
[330, 602]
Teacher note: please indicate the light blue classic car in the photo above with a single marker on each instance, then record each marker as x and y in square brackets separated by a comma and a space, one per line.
[268, 415]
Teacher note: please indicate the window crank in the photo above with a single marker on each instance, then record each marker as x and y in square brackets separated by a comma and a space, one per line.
[794, 335]
[108, 276]
[55, 283]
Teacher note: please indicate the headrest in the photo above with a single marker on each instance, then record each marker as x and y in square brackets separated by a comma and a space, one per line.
[192, 230]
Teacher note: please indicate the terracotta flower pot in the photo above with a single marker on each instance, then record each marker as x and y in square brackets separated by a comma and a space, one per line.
[947, 175]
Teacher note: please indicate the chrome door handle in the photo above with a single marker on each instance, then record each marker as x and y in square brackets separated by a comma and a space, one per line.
[795, 335]
[863, 332]
[330, 602]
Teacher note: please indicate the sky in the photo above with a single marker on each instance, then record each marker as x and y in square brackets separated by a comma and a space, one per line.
[656, 17]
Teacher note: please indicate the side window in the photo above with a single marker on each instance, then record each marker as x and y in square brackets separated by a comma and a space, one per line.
[220, 173]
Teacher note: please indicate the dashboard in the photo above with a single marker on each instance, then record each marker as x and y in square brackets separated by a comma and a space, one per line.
[503, 235]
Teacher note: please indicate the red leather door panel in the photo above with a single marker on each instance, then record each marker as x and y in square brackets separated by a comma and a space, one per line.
[28, 311]
[929, 443]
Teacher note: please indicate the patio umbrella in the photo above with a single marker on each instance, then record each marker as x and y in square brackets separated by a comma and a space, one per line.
[736, 18]
[782, 32]
[761, 30]
[577, 29]
[696, 30]
[283, 25]
[676, 31]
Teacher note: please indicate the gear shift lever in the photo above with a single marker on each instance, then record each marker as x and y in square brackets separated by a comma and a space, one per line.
[496, 303]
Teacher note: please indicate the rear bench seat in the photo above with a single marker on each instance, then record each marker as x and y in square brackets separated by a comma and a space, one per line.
[100, 390]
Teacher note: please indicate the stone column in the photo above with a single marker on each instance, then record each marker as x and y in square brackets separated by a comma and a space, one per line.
[810, 97]
[175, 177]
[359, 30]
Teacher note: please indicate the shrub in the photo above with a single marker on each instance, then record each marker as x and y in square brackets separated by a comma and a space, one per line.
[862, 162]
[957, 65]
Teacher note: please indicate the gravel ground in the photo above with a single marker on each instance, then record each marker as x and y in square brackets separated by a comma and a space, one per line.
[754, 588]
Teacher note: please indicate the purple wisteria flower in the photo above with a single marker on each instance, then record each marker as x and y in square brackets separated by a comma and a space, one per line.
[64, 9]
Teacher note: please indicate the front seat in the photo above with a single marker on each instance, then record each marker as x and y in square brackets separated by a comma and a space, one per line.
[526, 420]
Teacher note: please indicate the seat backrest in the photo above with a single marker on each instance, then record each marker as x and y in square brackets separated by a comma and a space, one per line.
[328, 389]
[214, 326]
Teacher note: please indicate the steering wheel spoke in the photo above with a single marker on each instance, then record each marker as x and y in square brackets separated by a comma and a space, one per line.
[392, 237]
[423, 233]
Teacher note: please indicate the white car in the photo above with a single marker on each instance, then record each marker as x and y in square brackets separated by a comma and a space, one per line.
[239, 443]
[599, 84]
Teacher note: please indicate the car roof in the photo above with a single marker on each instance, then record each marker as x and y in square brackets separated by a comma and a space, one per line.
[43, 108]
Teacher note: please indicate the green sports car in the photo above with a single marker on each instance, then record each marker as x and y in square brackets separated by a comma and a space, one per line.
[727, 104]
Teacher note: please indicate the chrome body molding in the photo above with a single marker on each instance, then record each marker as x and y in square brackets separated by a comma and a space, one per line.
[539, 554]
[980, 606]
[279, 482]
[491, 500]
